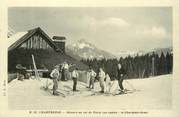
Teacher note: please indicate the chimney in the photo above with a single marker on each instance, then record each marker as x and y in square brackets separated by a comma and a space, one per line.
[59, 42]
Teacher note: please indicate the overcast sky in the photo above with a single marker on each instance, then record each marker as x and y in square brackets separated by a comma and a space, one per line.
[110, 28]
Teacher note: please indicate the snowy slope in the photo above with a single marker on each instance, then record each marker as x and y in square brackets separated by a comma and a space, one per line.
[152, 93]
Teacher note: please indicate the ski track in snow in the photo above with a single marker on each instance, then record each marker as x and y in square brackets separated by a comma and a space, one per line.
[152, 93]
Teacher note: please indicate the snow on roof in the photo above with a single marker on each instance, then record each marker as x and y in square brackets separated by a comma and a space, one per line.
[15, 37]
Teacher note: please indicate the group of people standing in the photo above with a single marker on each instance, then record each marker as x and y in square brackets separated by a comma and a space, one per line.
[103, 78]
[61, 71]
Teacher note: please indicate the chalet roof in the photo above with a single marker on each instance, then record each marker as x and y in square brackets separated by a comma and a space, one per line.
[15, 37]
[58, 38]
[19, 38]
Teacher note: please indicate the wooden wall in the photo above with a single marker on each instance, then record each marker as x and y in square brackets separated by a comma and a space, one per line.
[45, 55]
[47, 58]
[35, 42]
[60, 45]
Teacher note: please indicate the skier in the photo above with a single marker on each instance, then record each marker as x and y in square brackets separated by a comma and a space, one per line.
[75, 76]
[55, 75]
[92, 76]
[101, 79]
[120, 77]
[108, 83]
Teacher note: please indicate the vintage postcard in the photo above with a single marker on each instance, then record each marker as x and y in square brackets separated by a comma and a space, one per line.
[89, 58]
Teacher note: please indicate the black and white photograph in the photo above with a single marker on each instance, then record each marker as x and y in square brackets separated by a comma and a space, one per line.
[90, 58]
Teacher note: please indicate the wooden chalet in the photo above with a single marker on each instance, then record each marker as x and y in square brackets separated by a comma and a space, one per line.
[47, 52]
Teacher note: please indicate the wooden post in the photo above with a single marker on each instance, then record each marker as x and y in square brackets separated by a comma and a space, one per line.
[35, 68]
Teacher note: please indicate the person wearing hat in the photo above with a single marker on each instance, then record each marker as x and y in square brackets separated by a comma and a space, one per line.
[92, 76]
[75, 76]
[21, 72]
[120, 76]
[55, 75]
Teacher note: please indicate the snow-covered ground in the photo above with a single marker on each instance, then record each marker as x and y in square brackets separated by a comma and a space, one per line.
[151, 93]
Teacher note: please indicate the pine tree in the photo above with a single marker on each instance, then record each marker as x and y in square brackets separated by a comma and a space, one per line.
[162, 64]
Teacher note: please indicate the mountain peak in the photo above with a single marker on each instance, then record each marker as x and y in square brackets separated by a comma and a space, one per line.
[82, 41]
[85, 49]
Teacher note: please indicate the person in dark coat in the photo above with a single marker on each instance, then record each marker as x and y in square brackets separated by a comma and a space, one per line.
[120, 76]
[92, 76]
